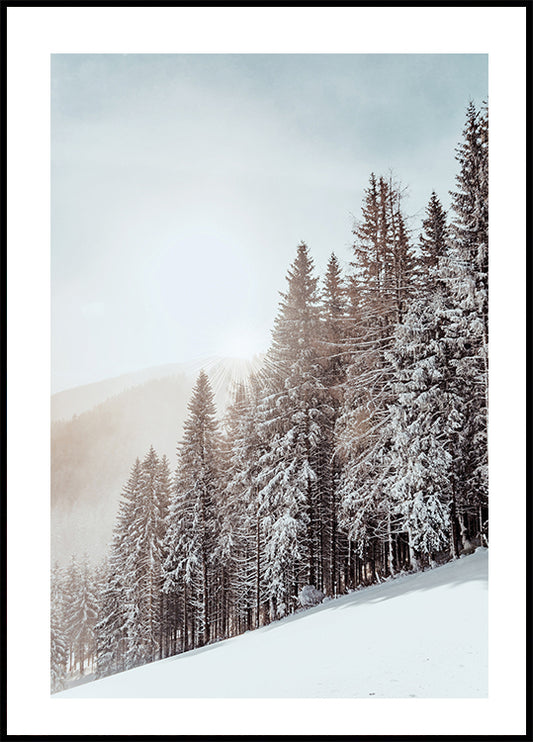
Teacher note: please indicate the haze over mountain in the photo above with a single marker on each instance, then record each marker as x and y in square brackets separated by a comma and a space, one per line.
[100, 429]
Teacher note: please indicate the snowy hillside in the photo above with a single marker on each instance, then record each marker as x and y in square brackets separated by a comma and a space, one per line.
[417, 636]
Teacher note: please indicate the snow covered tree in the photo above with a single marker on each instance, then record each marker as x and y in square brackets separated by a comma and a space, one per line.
[81, 613]
[426, 415]
[334, 346]
[58, 637]
[110, 626]
[191, 536]
[111, 629]
[334, 322]
[384, 260]
[432, 243]
[468, 329]
[381, 288]
[233, 549]
[243, 527]
[130, 628]
[167, 608]
[295, 410]
[143, 568]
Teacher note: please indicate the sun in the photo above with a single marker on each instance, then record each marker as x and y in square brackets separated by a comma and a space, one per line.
[242, 345]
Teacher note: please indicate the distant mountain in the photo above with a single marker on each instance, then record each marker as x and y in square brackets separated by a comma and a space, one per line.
[66, 404]
[98, 431]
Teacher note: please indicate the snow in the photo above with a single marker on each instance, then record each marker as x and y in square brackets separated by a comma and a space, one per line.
[310, 596]
[417, 636]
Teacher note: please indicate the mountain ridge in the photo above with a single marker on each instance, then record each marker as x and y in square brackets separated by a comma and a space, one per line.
[67, 403]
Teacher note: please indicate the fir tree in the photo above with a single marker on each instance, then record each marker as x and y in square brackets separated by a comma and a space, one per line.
[334, 345]
[143, 565]
[58, 638]
[294, 411]
[234, 547]
[192, 529]
[426, 415]
[167, 607]
[82, 613]
[111, 629]
[244, 505]
[468, 327]
[432, 242]
[381, 287]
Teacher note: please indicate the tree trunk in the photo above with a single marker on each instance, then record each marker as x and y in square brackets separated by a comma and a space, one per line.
[391, 549]
[454, 537]
[412, 556]
[257, 576]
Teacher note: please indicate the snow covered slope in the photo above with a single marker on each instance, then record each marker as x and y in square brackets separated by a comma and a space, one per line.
[418, 636]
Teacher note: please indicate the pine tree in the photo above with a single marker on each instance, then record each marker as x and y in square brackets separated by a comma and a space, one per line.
[132, 620]
[384, 260]
[192, 529]
[70, 588]
[294, 415]
[335, 332]
[143, 565]
[82, 613]
[334, 345]
[468, 328]
[432, 243]
[381, 288]
[234, 548]
[110, 626]
[111, 629]
[167, 607]
[58, 638]
[426, 415]
[243, 516]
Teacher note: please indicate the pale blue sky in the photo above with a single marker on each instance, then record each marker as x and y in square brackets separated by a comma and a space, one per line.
[182, 185]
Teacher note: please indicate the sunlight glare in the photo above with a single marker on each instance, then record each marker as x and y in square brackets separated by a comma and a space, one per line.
[242, 345]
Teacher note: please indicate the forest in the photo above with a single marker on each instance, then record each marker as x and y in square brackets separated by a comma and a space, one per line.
[356, 453]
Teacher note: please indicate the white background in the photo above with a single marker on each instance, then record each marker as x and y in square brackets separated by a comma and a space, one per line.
[34, 34]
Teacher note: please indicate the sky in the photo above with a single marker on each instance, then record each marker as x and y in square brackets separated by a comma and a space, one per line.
[182, 184]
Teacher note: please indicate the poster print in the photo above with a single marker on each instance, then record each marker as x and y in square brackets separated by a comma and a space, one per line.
[270, 375]
[35, 37]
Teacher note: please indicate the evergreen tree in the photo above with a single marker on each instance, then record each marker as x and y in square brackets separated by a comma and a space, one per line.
[334, 345]
[58, 638]
[294, 412]
[426, 415]
[468, 328]
[110, 626]
[167, 608]
[381, 289]
[143, 568]
[111, 629]
[247, 508]
[384, 259]
[234, 547]
[433, 242]
[82, 613]
[192, 529]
